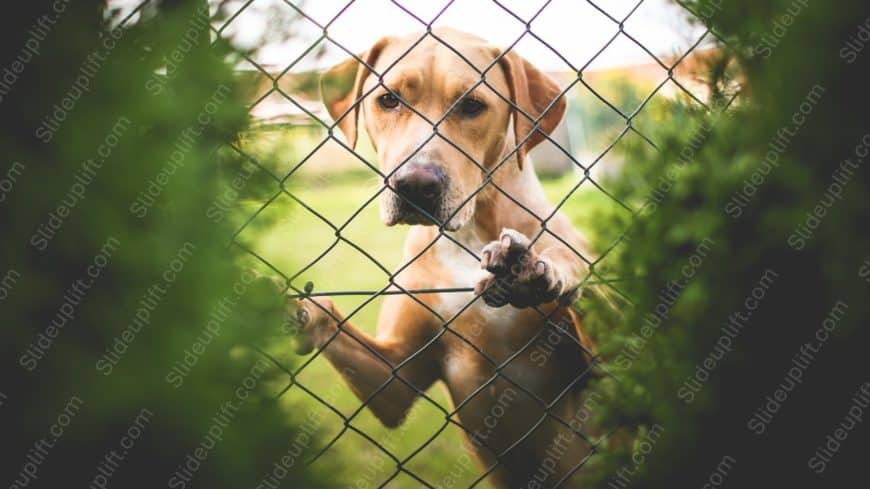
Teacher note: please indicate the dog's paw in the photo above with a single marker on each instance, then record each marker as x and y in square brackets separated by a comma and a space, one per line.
[312, 321]
[518, 276]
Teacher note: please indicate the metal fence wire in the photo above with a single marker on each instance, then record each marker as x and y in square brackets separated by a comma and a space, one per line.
[295, 289]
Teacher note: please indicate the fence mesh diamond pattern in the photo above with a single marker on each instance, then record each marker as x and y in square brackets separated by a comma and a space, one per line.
[337, 229]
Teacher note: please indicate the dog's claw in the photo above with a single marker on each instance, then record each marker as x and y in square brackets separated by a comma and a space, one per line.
[506, 241]
[302, 316]
[518, 276]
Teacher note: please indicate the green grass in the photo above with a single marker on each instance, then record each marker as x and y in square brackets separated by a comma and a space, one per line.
[295, 237]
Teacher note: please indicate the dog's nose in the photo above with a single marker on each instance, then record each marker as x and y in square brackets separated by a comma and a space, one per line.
[421, 184]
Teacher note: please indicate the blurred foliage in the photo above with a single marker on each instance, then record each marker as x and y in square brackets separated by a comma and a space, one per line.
[600, 122]
[703, 160]
[174, 232]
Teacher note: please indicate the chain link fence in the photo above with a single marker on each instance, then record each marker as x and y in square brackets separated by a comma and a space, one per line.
[400, 465]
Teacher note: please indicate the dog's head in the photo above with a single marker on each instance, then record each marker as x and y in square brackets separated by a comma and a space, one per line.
[436, 128]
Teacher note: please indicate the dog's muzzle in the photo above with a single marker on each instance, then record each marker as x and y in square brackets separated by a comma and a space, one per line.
[420, 190]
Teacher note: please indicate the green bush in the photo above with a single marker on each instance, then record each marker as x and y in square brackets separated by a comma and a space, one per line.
[736, 400]
[130, 325]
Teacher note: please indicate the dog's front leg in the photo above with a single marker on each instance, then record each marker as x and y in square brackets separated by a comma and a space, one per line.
[522, 276]
[368, 364]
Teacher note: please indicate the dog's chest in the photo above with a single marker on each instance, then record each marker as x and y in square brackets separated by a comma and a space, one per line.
[462, 271]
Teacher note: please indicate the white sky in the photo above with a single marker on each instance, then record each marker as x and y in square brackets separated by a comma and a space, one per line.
[573, 27]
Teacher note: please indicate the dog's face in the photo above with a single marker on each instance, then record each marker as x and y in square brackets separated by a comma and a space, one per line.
[437, 130]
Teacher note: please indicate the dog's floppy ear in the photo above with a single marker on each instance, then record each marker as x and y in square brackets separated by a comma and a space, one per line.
[533, 91]
[341, 89]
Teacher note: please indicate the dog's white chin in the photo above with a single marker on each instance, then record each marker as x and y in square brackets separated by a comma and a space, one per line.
[392, 218]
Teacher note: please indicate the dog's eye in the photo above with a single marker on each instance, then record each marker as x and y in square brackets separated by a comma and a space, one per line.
[388, 101]
[470, 107]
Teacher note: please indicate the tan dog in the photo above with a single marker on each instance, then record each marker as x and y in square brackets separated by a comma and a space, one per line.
[432, 182]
